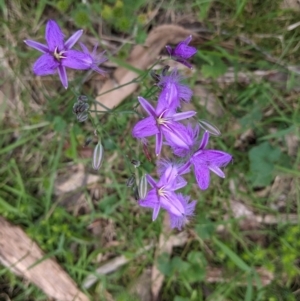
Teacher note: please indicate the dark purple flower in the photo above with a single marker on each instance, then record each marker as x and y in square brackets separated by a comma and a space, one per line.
[172, 83]
[162, 194]
[162, 122]
[206, 160]
[96, 59]
[182, 52]
[57, 54]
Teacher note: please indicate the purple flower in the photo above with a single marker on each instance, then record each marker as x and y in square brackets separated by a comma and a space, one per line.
[191, 135]
[162, 194]
[96, 59]
[206, 160]
[57, 54]
[182, 52]
[178, 221]
[162, 122]
[171, 83]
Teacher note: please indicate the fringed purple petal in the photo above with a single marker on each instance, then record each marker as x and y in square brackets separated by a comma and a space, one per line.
[145, 128]
[95, 59]
[73, 39]
[36, 45]
[168, 98]
[185, 93]
[179, 221]
[45, 65]
[54, 36]
[76, 60]
[84, 48]
[63, 76]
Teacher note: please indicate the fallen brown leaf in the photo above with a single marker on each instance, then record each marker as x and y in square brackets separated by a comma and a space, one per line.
[21, 255]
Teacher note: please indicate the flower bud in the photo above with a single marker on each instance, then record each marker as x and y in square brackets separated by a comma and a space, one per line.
[130, 180]
[80, 107]
[97, 156]
[81, 117]
[143, 187]
[208, 126]
[136, 163]
[82, 98]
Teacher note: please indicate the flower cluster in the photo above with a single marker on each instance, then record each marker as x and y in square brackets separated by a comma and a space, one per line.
[164, 122]
[58, 55]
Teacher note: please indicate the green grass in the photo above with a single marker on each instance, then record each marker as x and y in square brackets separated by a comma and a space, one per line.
[41, 142]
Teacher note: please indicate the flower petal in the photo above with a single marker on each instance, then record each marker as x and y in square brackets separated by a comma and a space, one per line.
[183, 50]
[185, 168]
[54, 36]
[219, 172]
[179, 221]
[182, 61]
[145, 128]
[36, 45]
[185, 93]
[151, 201]
[204, 140]
[168, 98]
[158, 143]
[76, 60]
[147, 106]
[180, 183]
[171, 203]
[155, 212]
[63, 76]
[169, 49]
[202, 176]
[151, 181]
[183, 115]
[45, 65]
[212, 157]
[73, 39]
[176, 135]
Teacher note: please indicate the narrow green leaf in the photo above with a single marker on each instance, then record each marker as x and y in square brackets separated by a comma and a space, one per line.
[234, 257]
